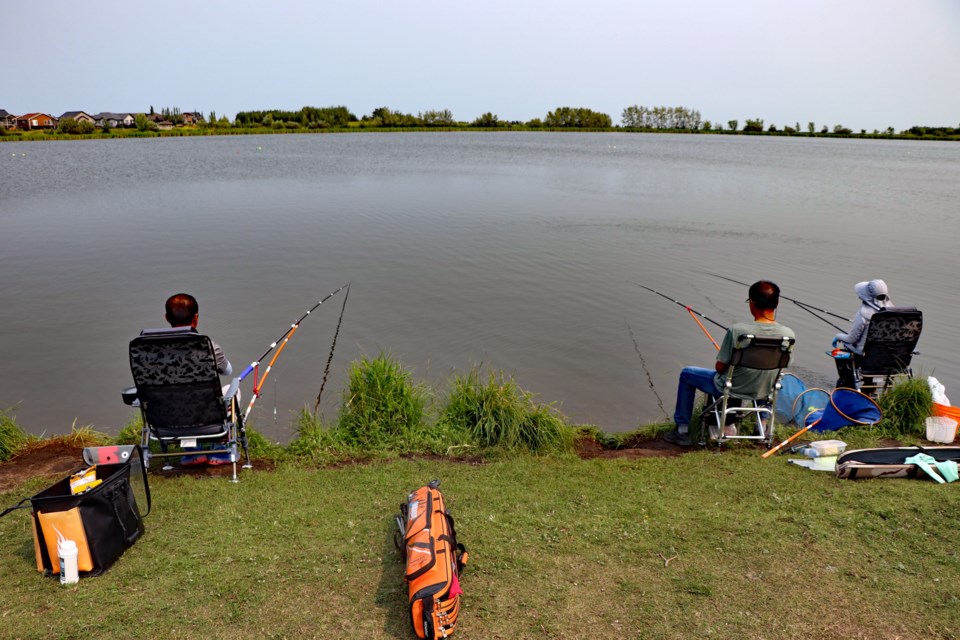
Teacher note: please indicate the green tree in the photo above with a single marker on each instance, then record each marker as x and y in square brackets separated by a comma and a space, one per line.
[142, 123]
[488, 119]
[577, 117]
[707, 125]
[840, 129]
[811, 127]
[68, 126]
[732, 125]
[442, 118]
[753, 126]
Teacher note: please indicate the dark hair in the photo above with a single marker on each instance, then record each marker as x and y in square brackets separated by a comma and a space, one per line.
[181, 308]
[765, 294]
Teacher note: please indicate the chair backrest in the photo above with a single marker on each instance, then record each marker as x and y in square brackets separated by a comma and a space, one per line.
[762, 352]
[891, 340]
[178, 386]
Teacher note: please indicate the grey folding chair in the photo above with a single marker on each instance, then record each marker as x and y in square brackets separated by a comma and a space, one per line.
[745, 411]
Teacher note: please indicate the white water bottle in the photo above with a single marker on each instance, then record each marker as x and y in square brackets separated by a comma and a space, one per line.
[67, 550]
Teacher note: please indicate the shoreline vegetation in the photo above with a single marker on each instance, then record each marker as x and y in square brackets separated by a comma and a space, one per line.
[634, 119]
[714, 542]
[480, 415]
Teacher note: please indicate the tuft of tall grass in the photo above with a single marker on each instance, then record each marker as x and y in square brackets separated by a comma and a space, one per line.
[130, 432]
[12, 437]
[382, 406]
[498, 413]
[905, 407]
[315, 441]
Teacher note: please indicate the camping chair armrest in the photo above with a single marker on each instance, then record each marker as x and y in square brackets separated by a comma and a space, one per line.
[232, 391]
[129, 395]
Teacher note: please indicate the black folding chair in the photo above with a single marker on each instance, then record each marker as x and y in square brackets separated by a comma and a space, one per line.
[766, 353]
[891, 344]
[178, 391]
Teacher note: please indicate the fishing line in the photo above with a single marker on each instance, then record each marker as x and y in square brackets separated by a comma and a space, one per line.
[254, 367]
[802, 305]
[333, 345]
[693, 314]
[643, 363]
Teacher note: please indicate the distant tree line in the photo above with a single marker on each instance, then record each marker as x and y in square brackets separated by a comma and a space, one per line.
[635, 117]
[639, 117]
[309, 117]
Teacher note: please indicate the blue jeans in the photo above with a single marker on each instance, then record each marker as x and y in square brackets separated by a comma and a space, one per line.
[692, 379]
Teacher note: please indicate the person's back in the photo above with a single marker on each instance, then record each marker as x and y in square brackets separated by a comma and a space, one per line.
[752, 383]
[763, 298]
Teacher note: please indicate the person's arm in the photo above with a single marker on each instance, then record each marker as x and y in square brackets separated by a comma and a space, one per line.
[224, 367]
[856, 331]
[725, 353]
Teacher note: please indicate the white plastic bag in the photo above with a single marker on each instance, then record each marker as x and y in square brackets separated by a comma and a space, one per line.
[938, 391]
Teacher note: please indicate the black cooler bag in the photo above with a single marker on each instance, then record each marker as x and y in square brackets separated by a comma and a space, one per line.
[104, 521]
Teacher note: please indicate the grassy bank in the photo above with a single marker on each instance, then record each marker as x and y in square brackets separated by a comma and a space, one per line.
[706, 544]
[717, 543]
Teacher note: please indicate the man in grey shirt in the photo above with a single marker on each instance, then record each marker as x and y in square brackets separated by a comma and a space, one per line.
[764, 296]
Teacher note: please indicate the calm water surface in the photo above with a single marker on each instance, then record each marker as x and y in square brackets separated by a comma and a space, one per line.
[518, 251]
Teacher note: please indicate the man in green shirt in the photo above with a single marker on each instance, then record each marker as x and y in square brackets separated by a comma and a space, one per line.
[764, 296]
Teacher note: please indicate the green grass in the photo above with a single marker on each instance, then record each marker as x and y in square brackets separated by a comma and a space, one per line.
[704, 545]
[497, 413]
[905, 407]
[12, 437]
[381, 406]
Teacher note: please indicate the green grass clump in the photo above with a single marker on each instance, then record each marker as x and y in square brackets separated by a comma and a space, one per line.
[315, 441]
[130, 432]
[12, 437]
[498, 413]
[382, 406]
[905, 407]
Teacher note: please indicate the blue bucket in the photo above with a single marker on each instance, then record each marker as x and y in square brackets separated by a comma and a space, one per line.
[847, 407]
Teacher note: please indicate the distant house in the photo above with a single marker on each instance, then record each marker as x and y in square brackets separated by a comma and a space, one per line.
[115, 119]
[162, 123]
[36, 121]
[79, 116]
[7, 120]
[192, 117]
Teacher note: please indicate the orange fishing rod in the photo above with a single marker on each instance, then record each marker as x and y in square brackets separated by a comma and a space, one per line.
[693, 314]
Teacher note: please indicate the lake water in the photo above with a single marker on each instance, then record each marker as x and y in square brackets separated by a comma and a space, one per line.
[519, 251]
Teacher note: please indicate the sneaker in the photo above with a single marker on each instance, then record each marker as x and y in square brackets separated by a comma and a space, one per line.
[680, 439]
[193, 461]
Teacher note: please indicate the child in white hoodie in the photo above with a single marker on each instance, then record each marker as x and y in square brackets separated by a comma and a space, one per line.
[874, 296]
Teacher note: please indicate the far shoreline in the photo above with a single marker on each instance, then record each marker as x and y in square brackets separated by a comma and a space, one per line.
[195, 131]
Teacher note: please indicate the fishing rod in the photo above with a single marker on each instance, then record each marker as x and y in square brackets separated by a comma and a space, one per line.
[254, 366]
[691, 311]
[803, 305]
[333, 345]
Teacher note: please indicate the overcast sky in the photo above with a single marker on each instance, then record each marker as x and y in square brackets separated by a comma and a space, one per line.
[866, 64]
